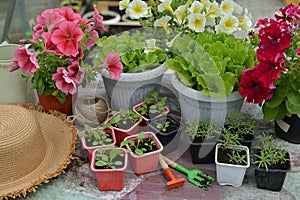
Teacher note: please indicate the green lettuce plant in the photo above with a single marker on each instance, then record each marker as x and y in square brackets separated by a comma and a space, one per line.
[133, 49]
[210, 63]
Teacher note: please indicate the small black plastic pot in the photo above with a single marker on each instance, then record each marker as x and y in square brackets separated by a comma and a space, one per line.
[272, 179]
[170, 138]
[203, 152]
[288, 129]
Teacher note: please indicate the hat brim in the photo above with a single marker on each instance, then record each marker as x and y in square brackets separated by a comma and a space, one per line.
[60, 137]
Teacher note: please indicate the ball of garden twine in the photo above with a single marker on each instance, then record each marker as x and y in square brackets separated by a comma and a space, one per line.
[91, 110]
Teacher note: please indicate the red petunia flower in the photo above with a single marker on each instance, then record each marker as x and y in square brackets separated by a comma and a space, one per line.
[253, 89]
[98, 20]
[67, 37]
[93, 35]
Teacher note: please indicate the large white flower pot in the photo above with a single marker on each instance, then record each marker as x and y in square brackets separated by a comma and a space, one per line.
[13, 87]
[195, 105]
[229, 174]
[132, 88]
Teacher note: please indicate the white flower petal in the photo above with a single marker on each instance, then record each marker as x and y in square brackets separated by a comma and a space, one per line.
[197, 22]
[137, 9]
[123, 4]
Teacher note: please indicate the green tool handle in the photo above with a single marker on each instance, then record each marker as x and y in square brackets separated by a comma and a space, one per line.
[176, 165]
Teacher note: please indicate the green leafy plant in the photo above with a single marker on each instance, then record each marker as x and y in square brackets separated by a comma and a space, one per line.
[211, 63]
[96, 136]
[124, 118]
[141, 145]
[131, 47]
[231, 146]
[241, 123]
[153, 105]
[163, 126]
[200, 131]
[269, 155]
[107, 157]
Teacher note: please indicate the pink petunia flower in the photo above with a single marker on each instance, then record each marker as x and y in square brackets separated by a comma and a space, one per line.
[27, 61]
[63, 82]
[298, 51]
[69, 14]
[114, 65]
[97, 19]
[49, 45]
[93, 35]
[67, 37]
[50, 19]
[37, 32]
[76, 73]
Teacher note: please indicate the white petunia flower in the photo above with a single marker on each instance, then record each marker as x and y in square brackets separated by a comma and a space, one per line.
[227, 7]
[165, 5]
[123, 4]
[162, 22]
[229, 24]
[137, 9]
[196, 7]
[245, 22]
[213, 11]
[197, 22]
[151, 46]
[237, 9]
[206, 3]
[180, 14]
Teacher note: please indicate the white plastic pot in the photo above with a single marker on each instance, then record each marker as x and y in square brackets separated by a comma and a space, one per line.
[229, 174]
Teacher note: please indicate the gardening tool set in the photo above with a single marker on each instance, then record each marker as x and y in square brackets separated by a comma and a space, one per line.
[194, 176]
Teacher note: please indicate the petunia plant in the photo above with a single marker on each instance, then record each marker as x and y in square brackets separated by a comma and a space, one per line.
[54, 55]
[274, 82]
[190, 15]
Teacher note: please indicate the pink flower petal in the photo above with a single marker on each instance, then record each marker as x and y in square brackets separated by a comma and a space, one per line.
[114, 65]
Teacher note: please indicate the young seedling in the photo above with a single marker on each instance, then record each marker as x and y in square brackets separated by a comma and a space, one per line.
[269, 154]
[230, 144]
[163, 126]
[124, 118]
[202, 130]
[97, 136]
[108, 157]
[137, 146]
[153, 105]
[241, 123]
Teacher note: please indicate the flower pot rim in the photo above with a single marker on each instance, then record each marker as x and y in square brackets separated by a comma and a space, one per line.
[197, 95]
[123, 130]
[108, 170]
[133, 77]
[157, 142]
[83, 141]
[232, 165]
[167, 110]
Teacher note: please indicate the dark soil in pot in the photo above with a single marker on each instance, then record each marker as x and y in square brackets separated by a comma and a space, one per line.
[148, 144]
[223, 155]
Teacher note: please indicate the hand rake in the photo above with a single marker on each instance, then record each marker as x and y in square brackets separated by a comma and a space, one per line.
[174, 182]
[194, 176]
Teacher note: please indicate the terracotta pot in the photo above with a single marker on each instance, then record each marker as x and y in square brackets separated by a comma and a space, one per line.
[109, 179]
[147, 162]
[90, 149]
[121, 134]
[51, 103]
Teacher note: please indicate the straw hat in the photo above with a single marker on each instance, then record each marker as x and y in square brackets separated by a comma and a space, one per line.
[34, 147]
